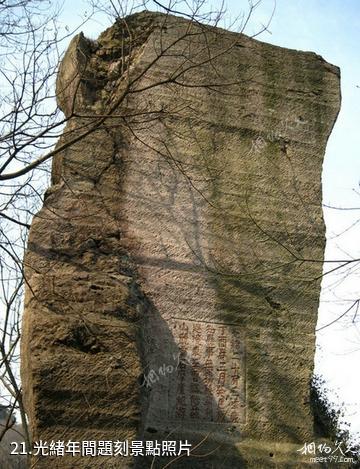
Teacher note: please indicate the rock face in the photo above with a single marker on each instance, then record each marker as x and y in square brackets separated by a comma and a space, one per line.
[174, 270]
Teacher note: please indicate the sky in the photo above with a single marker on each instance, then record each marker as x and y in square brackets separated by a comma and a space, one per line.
[330, 28]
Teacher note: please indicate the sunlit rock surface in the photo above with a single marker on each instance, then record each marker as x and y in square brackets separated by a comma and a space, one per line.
[173, 274]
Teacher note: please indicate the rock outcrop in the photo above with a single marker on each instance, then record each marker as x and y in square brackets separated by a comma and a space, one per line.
[173, 274]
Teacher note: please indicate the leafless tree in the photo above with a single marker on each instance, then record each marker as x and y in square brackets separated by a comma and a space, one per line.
[31, 39]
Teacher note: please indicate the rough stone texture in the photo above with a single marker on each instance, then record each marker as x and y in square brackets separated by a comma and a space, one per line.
[174, 270]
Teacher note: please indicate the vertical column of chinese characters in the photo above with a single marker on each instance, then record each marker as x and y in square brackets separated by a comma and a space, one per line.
[236, 400]
[208, 372]
[182, 339]
[195, 383]
[220, 391]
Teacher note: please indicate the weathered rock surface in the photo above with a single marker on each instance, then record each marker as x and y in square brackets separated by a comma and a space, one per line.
[174, 270]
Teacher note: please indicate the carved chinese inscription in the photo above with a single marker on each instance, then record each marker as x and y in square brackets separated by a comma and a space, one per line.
[209, 382]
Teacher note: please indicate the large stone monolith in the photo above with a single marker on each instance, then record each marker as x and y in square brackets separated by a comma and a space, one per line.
[174, 269]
